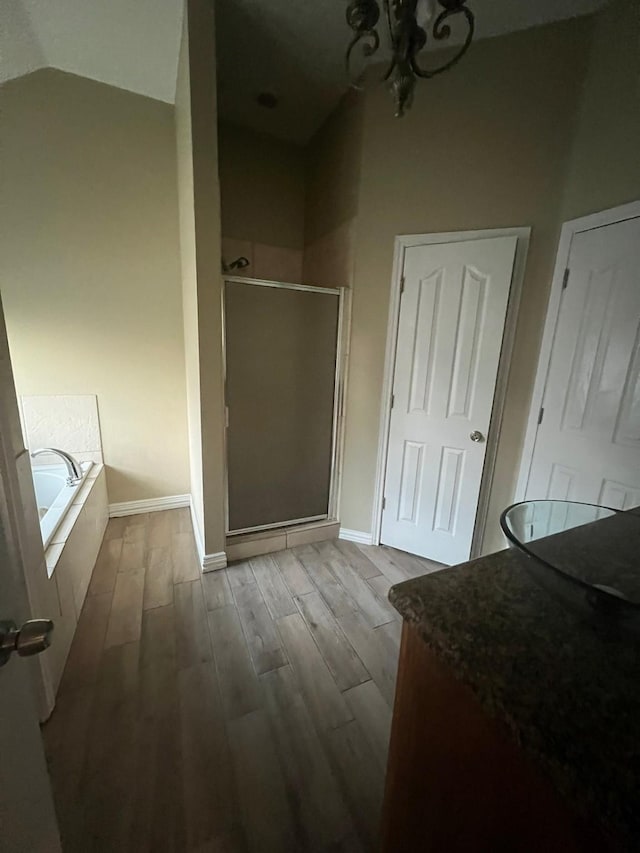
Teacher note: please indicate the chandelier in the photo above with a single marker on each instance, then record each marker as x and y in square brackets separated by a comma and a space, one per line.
[408, 36]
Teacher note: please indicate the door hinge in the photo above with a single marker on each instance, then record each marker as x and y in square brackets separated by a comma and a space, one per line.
[565, 279]
[401, 285]
[393, 400]
[540, 415]
[384, 504]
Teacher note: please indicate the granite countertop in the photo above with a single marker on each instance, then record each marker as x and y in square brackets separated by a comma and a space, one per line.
[569, 695]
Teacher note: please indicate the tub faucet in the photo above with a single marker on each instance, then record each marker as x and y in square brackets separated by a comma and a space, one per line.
[74, 470]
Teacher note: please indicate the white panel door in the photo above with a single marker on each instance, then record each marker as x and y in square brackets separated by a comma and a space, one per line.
[27, 817]
[450, 330]
[587, 446]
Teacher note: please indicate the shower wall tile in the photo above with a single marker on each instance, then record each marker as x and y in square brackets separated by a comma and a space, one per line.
[69, 422]
[94, 456]
[328, 261]
[272, 263]
[277, 264]
[307, 534]
[232, 249]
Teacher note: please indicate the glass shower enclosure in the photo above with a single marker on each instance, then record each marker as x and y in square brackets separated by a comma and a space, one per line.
[283, 365]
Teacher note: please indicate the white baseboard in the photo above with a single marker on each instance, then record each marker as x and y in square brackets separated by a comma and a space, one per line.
[213, 562]
[196, 531]
[356, 536]
[208, 562]
[150, 505]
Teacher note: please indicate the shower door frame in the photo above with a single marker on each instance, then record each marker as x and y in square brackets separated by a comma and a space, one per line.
[337, 432]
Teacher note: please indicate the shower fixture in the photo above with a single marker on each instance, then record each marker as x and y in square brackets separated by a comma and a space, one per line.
[239, 264]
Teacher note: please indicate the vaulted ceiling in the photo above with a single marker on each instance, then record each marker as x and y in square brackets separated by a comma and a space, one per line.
[296, 51]
[132, 44]
[293, 49]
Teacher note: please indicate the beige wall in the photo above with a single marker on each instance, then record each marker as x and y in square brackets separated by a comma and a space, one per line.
[89, 260]
[199, 192]
[189, 281]
[333, 170]
[261, 188]
[290, 210]
[332, 196]
[328, 261]
[262, 203]
[482, 147]
[604, 169]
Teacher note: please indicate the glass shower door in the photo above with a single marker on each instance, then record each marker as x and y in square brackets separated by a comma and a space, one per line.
[281, 344]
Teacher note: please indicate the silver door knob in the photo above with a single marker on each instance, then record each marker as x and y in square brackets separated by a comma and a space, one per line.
[476, 435]
[32, 638]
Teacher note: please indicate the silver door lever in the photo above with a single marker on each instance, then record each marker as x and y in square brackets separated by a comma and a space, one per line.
[32, 638]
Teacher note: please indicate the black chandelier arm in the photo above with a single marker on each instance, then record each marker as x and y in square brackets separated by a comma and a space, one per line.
[441, 32]
[392, 36]
[371, 42]
[387, 10]
[362, 17]
[389, 70]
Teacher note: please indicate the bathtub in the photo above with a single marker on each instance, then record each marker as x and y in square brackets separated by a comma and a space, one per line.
[54, 496]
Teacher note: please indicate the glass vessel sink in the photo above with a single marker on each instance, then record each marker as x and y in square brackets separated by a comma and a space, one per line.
[585, 555]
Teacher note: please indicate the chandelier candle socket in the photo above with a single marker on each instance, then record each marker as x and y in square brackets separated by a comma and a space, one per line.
[407, 38]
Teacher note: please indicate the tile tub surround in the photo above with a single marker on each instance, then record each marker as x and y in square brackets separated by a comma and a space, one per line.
[569, 697]
[70, 561]
[67, 421]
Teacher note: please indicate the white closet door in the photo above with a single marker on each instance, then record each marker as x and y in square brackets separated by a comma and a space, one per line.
[450, 331]
[588, 444]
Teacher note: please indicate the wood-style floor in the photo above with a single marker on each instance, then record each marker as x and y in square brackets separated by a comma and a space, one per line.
[242, 710]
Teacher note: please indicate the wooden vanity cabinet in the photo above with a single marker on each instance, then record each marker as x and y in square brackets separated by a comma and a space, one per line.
[456, 779]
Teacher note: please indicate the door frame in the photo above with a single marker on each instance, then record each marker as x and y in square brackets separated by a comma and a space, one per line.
[569, 229]
[337, 435]
[401, 244]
